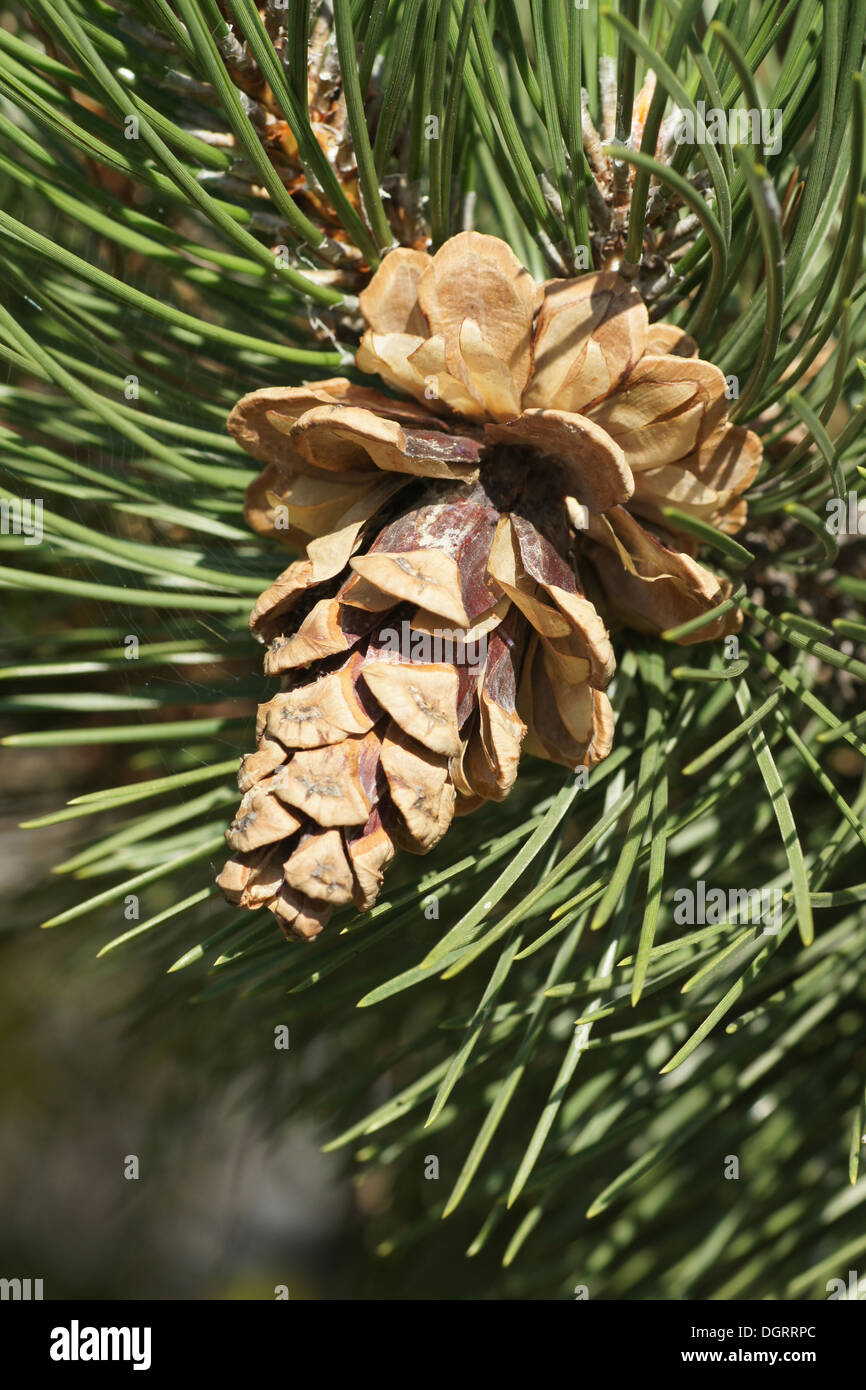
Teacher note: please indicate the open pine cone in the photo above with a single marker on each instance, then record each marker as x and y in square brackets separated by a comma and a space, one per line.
[460, 550]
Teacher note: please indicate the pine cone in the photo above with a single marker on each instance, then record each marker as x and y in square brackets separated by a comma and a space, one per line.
[457, 550]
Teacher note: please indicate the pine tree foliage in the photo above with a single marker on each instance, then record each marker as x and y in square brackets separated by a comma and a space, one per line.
[613, 1099]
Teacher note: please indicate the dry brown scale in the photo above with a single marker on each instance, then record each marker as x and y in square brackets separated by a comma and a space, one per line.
[459, 546]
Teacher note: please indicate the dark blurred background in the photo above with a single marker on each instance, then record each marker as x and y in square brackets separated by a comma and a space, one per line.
[221, 1209]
